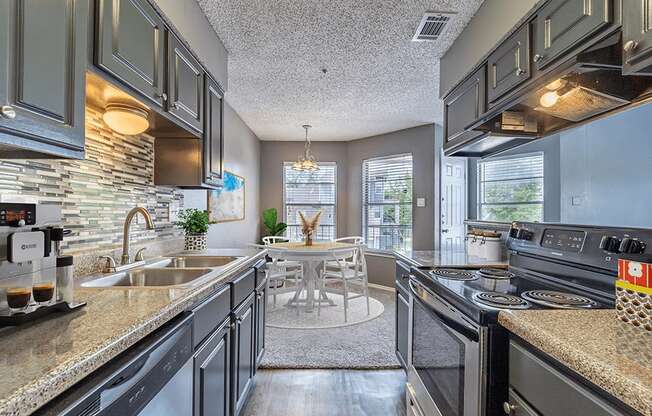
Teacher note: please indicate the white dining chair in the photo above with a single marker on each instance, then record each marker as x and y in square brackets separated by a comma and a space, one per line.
[280, 272]
[351, 269]
[357, 240]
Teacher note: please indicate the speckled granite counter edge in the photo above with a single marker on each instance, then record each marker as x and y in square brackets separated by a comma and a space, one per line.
[598, 373]
[28, 399]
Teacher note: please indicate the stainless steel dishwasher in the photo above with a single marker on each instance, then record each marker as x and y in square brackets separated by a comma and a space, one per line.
[154, 377]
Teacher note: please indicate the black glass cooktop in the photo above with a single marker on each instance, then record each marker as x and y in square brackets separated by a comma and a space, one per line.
[482, 298]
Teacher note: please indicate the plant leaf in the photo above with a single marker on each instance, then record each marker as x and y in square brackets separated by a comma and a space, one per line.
[270, 216]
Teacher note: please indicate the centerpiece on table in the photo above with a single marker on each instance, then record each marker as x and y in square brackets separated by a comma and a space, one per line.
[309, 226]
[194, 223]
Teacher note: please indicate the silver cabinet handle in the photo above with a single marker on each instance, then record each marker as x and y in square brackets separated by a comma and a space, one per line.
[164, 96]
[259, 296]
[239, 320]
[538, 57]
[509, 408]
[630, 46]
[8, 111]
[520, 72]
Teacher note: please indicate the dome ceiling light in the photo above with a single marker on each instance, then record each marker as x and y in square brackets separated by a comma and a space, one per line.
[126, 119]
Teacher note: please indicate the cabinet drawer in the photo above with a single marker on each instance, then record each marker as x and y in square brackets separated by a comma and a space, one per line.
[518, 406]
[509, 65]
[210, 313]
[243, 286]
[463, 106]
[564, 24]
[550, 392]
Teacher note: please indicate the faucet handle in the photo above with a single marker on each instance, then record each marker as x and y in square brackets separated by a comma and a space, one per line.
[110, 264]
[139, 254]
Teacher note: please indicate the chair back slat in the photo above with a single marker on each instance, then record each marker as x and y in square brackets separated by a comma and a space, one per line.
[273, 239]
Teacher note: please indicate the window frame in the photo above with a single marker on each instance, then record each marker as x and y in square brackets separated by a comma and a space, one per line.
[480, 182]
[365, 205]
[334, 205]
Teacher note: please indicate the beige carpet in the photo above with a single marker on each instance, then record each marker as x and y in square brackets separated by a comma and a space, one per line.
[367, 345]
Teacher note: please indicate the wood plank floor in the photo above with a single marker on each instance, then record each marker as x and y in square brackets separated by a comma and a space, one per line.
[327, 392]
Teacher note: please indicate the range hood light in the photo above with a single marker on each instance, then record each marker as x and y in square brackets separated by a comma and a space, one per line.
[549, 99]
[126, 119]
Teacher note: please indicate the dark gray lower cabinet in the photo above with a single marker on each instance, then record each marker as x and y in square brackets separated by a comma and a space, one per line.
[261, 309]
[402, 324]
[537, 387]
[213, 374]
[244, 352]
[43, 49]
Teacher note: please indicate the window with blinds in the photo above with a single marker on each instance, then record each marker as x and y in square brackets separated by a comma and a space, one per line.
[387, 202]
[511, 188]
[309, 192]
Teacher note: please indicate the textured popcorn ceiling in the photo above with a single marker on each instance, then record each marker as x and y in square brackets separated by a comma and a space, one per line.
[377, 79]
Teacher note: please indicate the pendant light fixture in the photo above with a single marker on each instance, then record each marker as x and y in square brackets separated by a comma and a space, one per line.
[307, 162]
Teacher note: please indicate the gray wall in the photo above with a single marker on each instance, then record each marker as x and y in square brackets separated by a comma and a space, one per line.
[242, 157]
[490, 23]
[420, 141]
[551, 183]
[273, 154]
[605, 166]
[188, 19]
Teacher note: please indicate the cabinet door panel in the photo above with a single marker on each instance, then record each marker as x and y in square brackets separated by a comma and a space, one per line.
[212, 374]
[244, 353]
[402, 325]
[637, 37]
[563, 24]
[45, 44]
[131, 45]
[509, 64]
[463, 106]
[213, 132]
[186, 85]
[261, 306]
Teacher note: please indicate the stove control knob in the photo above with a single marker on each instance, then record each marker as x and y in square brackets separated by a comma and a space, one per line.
[631, 246]
[610, 244]
[523, 234]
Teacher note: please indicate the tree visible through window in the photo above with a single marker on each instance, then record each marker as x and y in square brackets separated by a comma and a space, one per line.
[310, 192]
[511, 188]
[387, 202]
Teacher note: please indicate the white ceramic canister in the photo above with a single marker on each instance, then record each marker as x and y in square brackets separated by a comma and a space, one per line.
[492, 248]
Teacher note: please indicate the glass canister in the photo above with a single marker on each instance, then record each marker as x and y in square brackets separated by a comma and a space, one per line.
[65, 282]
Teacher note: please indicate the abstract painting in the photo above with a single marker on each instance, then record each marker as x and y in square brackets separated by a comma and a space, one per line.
[227, 203]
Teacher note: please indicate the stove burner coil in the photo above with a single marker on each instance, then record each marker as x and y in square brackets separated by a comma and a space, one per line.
[500, 300]
[499, 274]
[454, 274]
[555, 299]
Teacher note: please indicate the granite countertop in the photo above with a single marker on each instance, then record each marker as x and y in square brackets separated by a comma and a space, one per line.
[611, 354]
[444, 258]
[41, 360]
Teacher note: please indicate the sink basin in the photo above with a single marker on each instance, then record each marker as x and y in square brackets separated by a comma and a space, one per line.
[181, 262]
[149, 277]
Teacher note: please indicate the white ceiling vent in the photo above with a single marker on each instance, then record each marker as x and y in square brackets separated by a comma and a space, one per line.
[432, 25]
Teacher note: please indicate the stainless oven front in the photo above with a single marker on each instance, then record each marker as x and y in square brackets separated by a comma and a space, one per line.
[447, 357]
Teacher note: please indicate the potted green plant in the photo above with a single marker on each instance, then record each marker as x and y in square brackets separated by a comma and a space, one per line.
[273, 228]
[194, 223]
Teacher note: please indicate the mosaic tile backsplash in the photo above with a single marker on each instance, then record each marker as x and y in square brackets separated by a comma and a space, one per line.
[95, 194]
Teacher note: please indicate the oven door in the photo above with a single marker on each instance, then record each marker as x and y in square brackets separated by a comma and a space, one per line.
[445, 371]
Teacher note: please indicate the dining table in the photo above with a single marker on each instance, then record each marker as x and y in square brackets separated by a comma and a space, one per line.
[311, 257]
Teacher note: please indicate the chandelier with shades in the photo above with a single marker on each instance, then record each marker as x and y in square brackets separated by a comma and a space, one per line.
[307, 162]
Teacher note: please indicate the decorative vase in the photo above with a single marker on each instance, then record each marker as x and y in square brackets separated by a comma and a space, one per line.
[195, 242]
[308, 239]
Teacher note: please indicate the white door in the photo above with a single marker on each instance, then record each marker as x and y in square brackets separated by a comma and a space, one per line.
[453, 203]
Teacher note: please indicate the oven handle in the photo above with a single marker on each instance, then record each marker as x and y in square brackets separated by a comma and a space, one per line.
[448, 322]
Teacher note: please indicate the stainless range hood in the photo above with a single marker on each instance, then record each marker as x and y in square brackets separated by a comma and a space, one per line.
[583, 87]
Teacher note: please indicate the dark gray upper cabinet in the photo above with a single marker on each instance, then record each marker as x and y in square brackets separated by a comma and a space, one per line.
[637, 37]
[509, 64]
[43, 47]
[244, 353]
[213, 132]
[185, 85]
[130, 44]
[563, 24]
[213, 374]
[463, 106]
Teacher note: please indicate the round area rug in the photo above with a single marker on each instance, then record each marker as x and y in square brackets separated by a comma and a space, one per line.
[331, 316]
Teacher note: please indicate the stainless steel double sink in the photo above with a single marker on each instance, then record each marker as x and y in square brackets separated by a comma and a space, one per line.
[173, 271]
